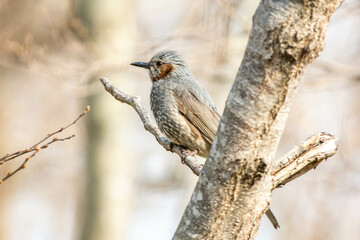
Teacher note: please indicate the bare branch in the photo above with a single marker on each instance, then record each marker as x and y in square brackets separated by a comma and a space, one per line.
[298, 161]
[36, 147]
[303, 158]
[150, 126]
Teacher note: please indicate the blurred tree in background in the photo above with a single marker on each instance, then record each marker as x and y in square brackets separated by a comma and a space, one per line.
[113, 181]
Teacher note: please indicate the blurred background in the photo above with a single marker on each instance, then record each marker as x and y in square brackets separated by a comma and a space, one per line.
[113, 180]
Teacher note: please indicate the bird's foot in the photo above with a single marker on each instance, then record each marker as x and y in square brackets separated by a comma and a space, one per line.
[188, 152]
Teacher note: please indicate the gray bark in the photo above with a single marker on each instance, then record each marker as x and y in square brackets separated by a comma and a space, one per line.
[234, 188]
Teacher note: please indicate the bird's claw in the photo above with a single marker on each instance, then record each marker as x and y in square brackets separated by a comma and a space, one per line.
[188, 152]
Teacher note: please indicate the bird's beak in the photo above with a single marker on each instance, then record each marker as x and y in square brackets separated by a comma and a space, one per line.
[141, 64]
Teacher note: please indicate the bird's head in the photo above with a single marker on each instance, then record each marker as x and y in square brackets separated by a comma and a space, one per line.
[163, 65]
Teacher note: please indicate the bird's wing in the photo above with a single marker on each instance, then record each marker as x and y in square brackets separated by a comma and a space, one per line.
[199, 115]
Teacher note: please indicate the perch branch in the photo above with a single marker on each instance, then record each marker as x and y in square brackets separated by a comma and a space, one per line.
[149, 125]
[37, 147]
[298, 161]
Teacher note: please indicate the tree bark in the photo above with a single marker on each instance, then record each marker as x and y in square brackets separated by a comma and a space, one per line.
[234, 188]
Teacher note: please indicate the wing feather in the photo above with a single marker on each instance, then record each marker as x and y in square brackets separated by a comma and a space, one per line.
[201, 116]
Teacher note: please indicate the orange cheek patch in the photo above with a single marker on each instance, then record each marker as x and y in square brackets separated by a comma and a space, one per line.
[165, 70]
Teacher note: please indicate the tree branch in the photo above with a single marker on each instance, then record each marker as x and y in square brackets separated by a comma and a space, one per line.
[303, 158]
[150, 126]
[296, 162]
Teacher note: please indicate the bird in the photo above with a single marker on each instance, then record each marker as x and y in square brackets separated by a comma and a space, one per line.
[183, 109]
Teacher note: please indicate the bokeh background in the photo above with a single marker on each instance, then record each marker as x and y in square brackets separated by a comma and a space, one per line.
[113, 180]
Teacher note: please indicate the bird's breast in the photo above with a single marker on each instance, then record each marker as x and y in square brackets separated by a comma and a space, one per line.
[171, 123]
[164, 108]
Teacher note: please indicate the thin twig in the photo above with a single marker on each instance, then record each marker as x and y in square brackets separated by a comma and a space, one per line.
[36, 147]
[150, 126]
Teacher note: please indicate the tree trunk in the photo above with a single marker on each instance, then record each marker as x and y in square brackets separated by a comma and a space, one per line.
[234, 188]
[110, 164]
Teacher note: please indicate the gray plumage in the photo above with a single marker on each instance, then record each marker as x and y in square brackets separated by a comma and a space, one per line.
[182, 108]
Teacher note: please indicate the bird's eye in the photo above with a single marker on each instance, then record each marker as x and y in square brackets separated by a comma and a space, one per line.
[158, 63]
